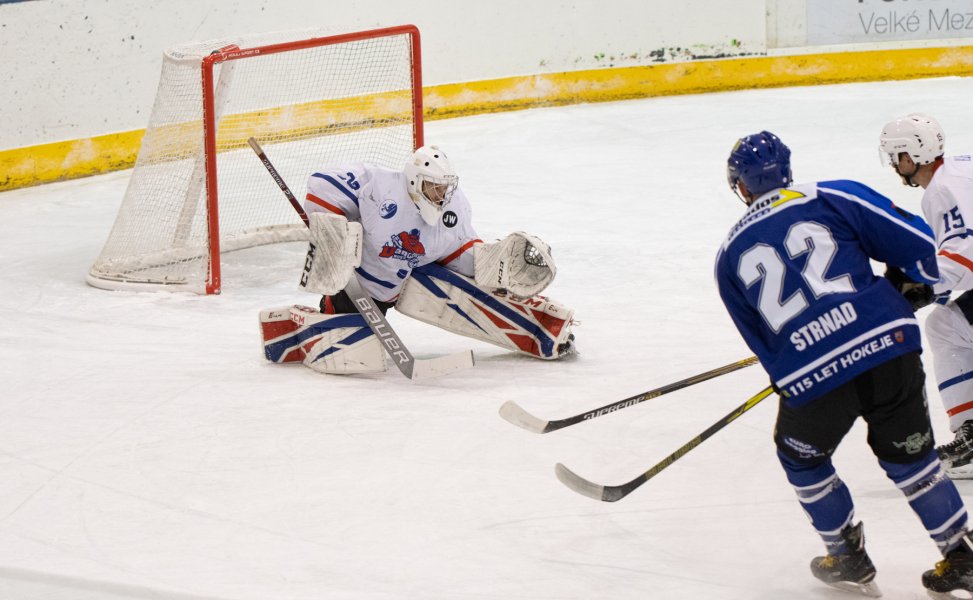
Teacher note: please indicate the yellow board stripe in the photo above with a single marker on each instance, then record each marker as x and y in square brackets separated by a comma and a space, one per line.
[44, 163]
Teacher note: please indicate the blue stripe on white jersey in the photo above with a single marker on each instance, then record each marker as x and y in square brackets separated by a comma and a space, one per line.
[374, 279]
[961, 235]
[338, 185]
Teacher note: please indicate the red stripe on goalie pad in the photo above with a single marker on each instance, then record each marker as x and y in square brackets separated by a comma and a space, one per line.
[525, 343]
[295, 355]
[275, 329]
[549, 322]
[496, 320]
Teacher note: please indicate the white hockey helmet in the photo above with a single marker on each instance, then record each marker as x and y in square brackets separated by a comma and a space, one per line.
[916, 134]
[431, 180]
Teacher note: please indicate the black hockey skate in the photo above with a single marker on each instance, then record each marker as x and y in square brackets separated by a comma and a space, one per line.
[852, 571]
[567, 348]
[953, 573]
[957, 456]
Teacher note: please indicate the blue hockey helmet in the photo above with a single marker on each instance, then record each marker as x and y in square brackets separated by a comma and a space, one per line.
[761, 161]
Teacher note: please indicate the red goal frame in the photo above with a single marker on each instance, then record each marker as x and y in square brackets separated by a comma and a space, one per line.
[209, 115]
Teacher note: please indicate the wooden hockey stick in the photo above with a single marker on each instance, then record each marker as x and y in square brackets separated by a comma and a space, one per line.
[411, 367]
[613, 493]
[512, 412]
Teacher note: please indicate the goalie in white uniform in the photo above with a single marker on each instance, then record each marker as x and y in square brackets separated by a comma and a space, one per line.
[407, 236]
[914, 146]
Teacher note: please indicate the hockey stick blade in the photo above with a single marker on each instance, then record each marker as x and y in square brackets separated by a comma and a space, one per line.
[605, 493]
[512, 412]
[426, 368]
[613, 493]
[409, 365]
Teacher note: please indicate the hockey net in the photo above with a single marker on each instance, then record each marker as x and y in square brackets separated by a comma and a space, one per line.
[197, 189]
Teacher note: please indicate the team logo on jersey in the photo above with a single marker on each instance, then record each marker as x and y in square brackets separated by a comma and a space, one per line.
[450, 219]
[404, 246]
[388, 209]
[786, 196]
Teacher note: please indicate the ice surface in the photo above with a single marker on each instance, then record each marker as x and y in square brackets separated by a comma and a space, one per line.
[148, 451]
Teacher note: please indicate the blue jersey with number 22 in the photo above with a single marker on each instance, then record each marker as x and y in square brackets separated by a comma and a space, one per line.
[795, 276]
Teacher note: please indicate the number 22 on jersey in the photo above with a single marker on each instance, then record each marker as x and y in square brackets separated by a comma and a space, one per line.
[762, 264]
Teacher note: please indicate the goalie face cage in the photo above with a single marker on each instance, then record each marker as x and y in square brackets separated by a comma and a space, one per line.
[197, 190]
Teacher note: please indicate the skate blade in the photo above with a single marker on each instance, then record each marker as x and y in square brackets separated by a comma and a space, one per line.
[964, 472]
[949, 595]
[869, 589]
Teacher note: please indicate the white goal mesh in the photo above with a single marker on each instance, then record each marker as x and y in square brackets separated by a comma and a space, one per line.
[198, 189]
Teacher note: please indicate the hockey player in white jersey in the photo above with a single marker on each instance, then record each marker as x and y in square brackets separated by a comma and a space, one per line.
[914, 146]
[408, 238]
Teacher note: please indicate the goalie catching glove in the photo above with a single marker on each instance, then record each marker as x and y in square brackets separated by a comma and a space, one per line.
[520, 263]
[333, 254]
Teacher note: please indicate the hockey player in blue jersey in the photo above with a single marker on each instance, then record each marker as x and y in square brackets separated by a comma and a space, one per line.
[840, 342]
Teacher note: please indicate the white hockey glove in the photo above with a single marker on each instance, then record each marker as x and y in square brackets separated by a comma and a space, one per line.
[334, 252]
[519, 263]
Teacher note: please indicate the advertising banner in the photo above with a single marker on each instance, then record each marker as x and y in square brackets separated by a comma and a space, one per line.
[868, 21]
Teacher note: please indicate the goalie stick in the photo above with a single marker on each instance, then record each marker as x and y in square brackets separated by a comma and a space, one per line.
[512, 412]
[613, 493]
[411, 367]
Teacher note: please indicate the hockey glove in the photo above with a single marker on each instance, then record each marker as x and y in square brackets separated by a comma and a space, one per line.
[918, 294]
[520, 263]
[333, 253]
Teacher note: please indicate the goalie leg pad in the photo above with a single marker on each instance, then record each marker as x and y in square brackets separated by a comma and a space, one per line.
[337, 344]
[536, 326]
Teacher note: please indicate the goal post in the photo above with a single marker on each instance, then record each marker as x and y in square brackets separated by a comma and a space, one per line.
[197, 192]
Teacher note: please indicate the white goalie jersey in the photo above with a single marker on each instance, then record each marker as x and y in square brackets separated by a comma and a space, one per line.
[396, 239]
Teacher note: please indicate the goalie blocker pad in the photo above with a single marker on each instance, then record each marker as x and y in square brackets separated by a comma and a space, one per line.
[536, 326]
[335, 344]
[333, 253]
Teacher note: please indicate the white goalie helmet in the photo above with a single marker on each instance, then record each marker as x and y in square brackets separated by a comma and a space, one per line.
[431, 180]
[916, 134]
